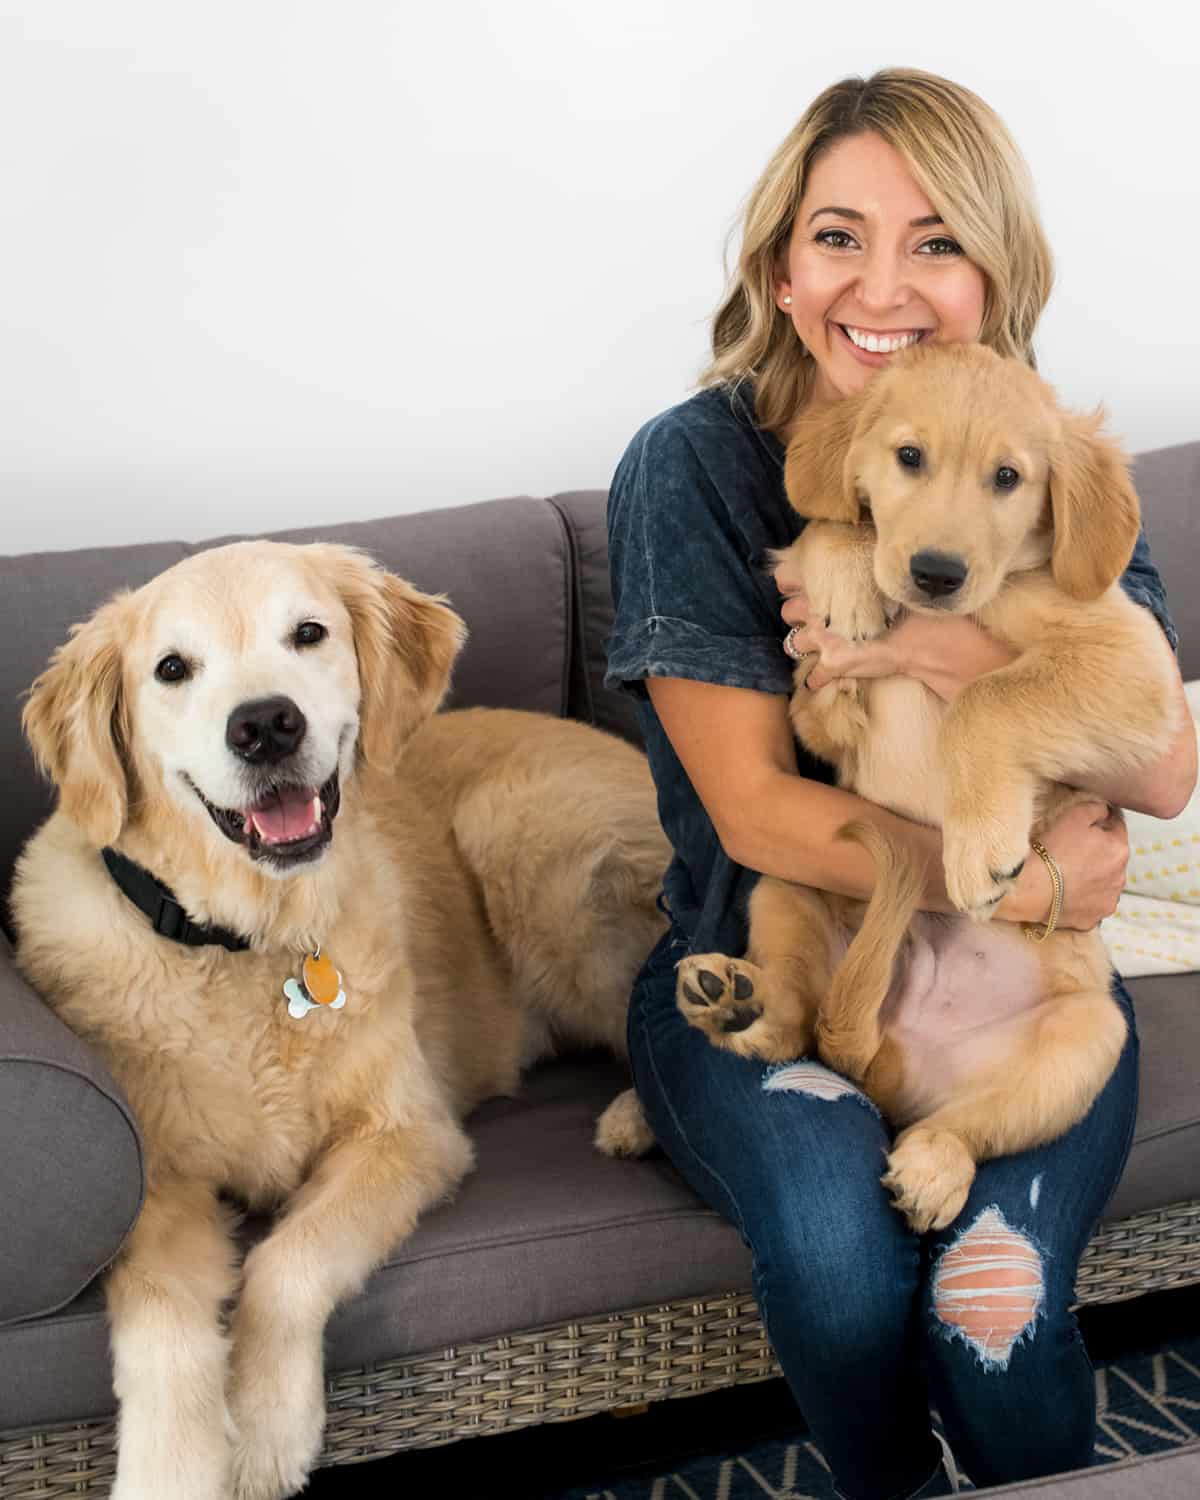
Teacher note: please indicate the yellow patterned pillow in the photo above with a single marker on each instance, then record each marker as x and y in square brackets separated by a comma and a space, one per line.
[1156, 928]
[1164, 853]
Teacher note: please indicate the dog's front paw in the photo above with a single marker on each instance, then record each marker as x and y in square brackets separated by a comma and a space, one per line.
[982, 865]
[929, 1175]
[279, 1409]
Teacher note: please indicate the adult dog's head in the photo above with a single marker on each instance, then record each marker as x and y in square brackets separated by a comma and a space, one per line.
[240, 688]
[970, 471]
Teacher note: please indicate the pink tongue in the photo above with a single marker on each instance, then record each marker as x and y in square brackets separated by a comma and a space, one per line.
[286, 815]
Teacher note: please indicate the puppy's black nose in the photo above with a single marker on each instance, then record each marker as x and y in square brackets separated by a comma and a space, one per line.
[265, 729]
[937, 573]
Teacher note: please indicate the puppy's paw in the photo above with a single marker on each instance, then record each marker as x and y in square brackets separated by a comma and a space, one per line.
[848, 603]
[622, 1130]
[279, 1408]
[726, 998]
[929, 1175]
[982, 866]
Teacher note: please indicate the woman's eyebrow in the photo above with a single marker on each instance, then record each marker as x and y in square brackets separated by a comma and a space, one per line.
[853, 213]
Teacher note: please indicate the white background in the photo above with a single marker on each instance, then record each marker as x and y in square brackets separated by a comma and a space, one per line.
[266, 263]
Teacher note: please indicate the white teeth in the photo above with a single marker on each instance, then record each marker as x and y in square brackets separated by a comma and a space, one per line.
[875, 343]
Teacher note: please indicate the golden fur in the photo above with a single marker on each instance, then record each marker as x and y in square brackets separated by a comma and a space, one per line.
[1013, 1048]
[489, 889]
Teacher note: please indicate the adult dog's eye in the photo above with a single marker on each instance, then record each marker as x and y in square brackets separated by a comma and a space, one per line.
[172, 668]
[309, 634]
[1006, 478]
[909, 456]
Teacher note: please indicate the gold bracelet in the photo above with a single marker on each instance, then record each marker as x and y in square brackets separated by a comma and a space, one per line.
[1056, 900]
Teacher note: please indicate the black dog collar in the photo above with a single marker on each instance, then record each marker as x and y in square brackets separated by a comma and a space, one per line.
[166, 915]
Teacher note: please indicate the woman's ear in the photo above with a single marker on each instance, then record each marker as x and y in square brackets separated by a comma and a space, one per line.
[1094, 508]
[820, 470]
[406, 643]
[77, 722]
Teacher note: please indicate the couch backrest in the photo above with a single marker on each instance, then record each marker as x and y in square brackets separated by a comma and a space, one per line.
[529, 576]
[506, 565]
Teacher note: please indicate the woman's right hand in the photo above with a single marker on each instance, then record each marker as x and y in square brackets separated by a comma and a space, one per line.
[1090, 845]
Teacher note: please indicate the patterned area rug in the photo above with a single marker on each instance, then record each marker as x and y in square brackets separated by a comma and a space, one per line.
[1145, 1403]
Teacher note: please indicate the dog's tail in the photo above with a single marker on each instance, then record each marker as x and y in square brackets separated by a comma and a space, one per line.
[861, 981]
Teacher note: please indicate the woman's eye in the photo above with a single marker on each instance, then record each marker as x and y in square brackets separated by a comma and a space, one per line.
[836, 239]
[909, 456]
[1006, 478]
[942, 245]
[172, 668]
[309, 634]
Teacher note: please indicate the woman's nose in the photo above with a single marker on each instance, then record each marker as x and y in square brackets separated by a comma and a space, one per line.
[882, 282]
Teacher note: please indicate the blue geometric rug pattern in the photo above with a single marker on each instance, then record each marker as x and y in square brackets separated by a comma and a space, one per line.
[1145, 1403]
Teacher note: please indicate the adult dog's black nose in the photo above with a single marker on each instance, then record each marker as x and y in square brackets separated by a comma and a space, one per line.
[937, 573]
[265, 729]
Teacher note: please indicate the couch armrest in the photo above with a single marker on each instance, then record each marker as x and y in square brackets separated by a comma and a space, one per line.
[70, 1156]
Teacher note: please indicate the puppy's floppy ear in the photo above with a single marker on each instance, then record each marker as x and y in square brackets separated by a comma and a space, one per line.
[77, 721]
[820, 470]
[406, 643]
[1094, 507]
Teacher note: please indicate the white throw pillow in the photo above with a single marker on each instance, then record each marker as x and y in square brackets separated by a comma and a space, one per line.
[1156, 928]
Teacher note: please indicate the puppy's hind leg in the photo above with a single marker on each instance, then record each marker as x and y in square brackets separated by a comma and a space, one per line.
[1034, 1097]
[165, 1292]
[765, 1005]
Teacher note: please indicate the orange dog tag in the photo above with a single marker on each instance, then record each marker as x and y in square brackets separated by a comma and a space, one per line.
[321, 979]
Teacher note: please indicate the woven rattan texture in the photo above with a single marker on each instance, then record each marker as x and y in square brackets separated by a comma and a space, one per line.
[556, 1374]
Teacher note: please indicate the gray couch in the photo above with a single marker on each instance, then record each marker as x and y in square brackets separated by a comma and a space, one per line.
[558, 1282]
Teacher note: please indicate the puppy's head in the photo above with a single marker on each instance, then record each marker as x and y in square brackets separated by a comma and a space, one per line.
[970, 471]
[239, 688]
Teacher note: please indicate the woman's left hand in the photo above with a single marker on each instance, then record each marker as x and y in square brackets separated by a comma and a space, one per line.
[945, 652]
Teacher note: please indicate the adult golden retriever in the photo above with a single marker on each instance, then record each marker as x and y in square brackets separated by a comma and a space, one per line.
[256, 729]
[954, 484]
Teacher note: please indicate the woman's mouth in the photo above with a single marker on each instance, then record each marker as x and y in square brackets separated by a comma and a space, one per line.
[874, 348]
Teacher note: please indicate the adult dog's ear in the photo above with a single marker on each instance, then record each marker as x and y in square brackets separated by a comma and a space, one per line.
[820, 472]
[77, 721]
[1094, 507]
[406, 643]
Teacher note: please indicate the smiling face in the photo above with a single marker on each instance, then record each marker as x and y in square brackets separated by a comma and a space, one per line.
[871, 269]
[244, 694]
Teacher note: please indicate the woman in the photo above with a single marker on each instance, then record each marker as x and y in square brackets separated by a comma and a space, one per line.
[898, 209]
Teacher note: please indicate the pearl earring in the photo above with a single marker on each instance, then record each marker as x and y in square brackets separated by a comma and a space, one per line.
[787, 301]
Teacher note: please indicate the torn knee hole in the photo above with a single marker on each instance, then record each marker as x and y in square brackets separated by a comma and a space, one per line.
[813, 1079]
[988, 1287]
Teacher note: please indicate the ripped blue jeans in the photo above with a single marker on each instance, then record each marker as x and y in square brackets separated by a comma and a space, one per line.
[871, 1323]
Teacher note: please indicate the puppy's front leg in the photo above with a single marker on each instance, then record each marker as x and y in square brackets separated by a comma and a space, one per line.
[364, 1196]
[169, 1355]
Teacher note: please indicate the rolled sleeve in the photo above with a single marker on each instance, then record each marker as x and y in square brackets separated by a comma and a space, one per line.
[689, 538]
[1142, 583]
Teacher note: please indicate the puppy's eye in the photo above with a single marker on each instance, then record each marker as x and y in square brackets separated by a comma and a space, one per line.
[309, 634]
[172, 668]
[1006, 478]
[910, 457]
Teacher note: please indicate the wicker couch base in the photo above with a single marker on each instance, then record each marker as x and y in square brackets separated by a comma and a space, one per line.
[574, 1370]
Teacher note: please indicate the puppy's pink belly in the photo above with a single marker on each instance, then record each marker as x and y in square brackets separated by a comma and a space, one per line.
[960, 1002]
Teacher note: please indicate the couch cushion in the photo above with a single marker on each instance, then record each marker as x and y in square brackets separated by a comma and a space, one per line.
[583, 512]
[1168, 484]
[71, 1161]
[1164, 1164]
[545, 1230]
[504, 564]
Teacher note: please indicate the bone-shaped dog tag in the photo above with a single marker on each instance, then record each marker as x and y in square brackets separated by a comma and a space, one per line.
[321, 985]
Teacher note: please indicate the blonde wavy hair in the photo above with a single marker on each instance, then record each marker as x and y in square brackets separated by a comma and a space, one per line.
[965, 162]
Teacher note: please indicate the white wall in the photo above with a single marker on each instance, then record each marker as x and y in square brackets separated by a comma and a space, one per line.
[266, 263]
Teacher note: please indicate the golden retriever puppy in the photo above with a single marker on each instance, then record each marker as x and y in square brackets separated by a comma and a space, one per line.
[954, 484]
[309, 924]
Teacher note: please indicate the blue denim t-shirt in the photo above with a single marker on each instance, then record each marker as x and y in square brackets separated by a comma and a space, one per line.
[696, 504]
